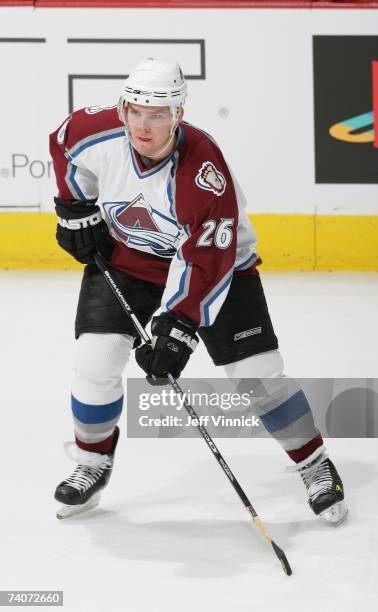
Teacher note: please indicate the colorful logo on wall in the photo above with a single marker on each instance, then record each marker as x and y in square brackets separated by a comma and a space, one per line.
[346, 108]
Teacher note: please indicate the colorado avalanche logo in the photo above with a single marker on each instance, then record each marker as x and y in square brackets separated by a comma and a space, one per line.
[141, 227]
[211, 179]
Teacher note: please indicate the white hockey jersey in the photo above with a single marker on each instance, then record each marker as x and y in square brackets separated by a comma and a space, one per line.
[180, 223]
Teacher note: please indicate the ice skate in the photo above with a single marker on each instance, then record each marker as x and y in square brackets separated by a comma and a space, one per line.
[324, 487]
[81, 491]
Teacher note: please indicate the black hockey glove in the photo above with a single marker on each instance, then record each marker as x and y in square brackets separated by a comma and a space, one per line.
[81, 231]
[174, 340]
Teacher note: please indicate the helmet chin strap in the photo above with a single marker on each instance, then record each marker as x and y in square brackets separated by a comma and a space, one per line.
[166, 145]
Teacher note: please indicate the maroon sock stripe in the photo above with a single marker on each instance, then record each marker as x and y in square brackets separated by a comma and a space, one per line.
[102, 447]
[300, 454]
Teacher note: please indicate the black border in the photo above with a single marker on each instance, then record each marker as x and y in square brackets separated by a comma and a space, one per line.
[22, 40]
[174, 41]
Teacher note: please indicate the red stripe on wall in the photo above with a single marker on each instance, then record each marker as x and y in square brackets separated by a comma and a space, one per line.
[175, 4]
[375, 100]
[205, 4]
[13, 3]
[200, 4]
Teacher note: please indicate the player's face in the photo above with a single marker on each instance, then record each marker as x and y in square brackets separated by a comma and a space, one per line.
[149, 128]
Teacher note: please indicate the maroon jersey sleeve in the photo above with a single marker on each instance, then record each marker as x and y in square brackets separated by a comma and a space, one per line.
[207, 210]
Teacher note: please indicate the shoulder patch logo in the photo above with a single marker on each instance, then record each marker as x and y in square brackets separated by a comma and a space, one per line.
[210, 179]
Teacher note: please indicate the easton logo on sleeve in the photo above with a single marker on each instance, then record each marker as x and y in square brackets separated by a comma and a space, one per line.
[210, 179]
[77, 224]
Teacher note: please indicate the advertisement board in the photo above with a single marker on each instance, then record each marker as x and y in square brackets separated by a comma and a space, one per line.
[346, 127]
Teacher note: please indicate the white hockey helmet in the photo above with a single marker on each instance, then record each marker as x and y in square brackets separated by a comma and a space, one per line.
[154, 83]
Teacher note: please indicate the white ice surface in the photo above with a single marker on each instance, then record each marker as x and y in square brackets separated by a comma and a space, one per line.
[170, 534]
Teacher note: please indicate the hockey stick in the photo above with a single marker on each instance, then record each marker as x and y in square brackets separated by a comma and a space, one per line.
[175, 385]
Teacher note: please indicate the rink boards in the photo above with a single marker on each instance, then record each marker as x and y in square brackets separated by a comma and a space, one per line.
[298, 130]
[309, 242]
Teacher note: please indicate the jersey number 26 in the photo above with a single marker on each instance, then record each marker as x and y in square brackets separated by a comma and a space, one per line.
[220, 234]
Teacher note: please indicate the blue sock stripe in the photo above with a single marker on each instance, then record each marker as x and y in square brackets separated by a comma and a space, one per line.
[286, 413]
[91, 414]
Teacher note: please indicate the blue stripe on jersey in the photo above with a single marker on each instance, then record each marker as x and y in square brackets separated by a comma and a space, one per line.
[74, 184]
[206, 305]
[181, 288]
[94, 141]
[180, 139]
[160, 214]
[247, 262]
[170, 197]
[146, 173]
[91, 414]
[171, 186]
[286, 413]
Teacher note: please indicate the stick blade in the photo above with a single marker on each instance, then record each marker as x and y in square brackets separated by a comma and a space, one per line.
[283, 559]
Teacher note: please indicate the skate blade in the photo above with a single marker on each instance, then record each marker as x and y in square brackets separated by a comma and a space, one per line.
[66, 511]
[336, 514]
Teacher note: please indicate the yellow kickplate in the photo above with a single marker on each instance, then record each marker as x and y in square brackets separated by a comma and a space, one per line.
[286, 242]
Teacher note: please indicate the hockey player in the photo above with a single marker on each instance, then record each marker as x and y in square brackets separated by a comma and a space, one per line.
[155, 196]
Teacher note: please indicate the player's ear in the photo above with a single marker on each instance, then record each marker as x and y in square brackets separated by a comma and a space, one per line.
[181, 113]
